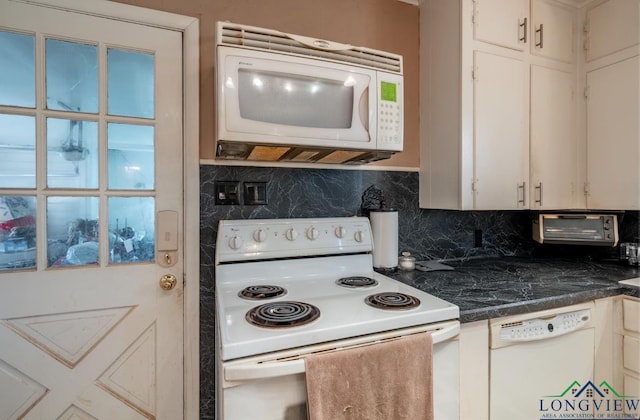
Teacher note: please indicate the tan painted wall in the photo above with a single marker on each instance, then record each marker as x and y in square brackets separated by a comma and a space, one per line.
[387, 25]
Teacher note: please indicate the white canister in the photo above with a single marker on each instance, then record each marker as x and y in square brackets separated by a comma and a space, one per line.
[384, 228]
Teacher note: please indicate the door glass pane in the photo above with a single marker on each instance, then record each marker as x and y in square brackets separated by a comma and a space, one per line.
[131, 157]
[130, 83]
[17, 70]
[72, 231]
[131, 229]
[17, 232]
[17, 151]
[72, 76]
[72, 154]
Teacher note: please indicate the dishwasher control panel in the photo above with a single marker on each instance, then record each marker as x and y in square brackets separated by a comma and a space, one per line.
[542, 328]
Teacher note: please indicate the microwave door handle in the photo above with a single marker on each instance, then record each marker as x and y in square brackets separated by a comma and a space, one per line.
[363, 109]
[275, 369]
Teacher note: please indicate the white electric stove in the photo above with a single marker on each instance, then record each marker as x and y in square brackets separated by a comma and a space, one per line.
[288, 287]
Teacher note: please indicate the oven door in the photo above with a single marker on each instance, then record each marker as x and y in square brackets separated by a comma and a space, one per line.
[272, 387]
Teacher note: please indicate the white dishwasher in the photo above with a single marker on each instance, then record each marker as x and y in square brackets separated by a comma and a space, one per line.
[537, 355]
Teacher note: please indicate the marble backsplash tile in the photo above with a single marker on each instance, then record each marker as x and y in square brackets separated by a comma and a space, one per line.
[427, 234]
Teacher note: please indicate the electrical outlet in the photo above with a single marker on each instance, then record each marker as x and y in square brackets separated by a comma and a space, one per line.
[227, 192]
[255, 193]
[477, 238]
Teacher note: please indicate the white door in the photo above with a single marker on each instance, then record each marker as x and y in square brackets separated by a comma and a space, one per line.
[613, 136]
[91, 206]
[501, 132]
[553, 139]
[503, 23]
[552, 30]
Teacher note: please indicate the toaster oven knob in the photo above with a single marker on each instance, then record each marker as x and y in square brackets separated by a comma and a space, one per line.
[358, 236]
[235, 242]
[341, 231]
[260, 235]
[312, 233]
[291, 234]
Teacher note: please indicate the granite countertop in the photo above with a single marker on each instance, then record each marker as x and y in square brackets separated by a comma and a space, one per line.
[494, 287]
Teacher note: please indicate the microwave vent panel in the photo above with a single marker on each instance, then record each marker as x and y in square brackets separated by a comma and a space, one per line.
[268, 40]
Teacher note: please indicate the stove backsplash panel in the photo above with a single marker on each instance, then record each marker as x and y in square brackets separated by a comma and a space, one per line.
[427, 234]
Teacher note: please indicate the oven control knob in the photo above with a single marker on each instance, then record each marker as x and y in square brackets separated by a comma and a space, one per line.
[358, 236]
[312, 233]
[235, 242]
[291, 234]
[341, 231]
[260, 235]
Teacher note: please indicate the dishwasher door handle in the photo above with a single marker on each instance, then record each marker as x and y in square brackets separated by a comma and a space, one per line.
[273, 369]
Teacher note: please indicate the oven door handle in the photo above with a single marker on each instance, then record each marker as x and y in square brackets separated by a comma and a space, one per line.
[293, 367]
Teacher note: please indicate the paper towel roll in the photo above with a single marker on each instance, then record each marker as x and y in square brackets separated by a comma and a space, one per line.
[384, 228]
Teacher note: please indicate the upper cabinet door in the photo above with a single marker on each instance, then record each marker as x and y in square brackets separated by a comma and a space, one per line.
[553, 139]
[503, 23]
[552, 30]
[612, 26]
[500, 133]
[613, 136]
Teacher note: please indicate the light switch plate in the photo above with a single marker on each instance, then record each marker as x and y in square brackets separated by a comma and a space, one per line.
[255, 193]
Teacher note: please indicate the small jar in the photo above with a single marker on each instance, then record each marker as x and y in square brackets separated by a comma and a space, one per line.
[406, 262]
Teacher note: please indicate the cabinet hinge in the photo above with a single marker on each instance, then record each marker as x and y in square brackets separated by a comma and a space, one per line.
[587, 188]
[586, 27]
[586, 44]
[587, 92]
[474, 186]
[474, 74]
[473, 18]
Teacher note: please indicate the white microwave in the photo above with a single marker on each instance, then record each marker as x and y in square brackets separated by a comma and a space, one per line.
[289, 98]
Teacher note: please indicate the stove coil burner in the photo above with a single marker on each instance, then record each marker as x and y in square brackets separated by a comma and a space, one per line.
[282, 314]
[262, 292]
[392, 300]
[357, 281]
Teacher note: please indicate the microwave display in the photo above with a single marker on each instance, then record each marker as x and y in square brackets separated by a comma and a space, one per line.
[388, 91]
[292, 100]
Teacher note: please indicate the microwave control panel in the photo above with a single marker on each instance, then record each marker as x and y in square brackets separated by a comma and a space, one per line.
[390, 112]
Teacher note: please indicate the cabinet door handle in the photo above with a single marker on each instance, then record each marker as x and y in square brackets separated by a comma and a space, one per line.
[523, 187]
[540, 31]
[524, 26]
[539, 188]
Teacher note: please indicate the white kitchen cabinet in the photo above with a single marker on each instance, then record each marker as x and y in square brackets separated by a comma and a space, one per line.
[500, 131]
[503, 23]
[543, 26]
[611, 26]
[552, 30]
[553, 139]
[628, 346]
[613, 136]
[475, 112]
[474, 371]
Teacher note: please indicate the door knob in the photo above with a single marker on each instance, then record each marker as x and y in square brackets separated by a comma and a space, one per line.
[168, 282]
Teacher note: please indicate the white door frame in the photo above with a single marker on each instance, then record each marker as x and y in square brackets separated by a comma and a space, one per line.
[189, 26]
